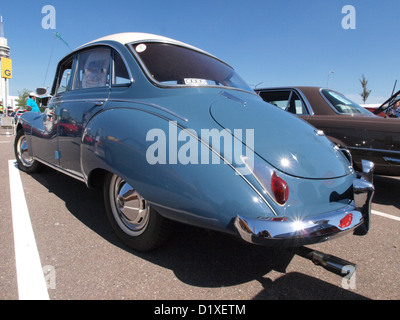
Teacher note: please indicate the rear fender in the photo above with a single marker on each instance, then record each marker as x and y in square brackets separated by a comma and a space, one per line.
[30, 122]
[118, 141]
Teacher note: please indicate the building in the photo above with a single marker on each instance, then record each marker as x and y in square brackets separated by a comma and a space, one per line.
[4, 82]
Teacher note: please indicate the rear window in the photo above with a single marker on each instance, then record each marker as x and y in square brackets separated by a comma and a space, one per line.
[342, 104]
[174, 65]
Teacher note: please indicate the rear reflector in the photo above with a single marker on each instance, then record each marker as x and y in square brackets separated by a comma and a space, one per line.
[346, 221]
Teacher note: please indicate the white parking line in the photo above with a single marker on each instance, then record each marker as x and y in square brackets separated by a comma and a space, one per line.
[30, 277]
[385, 215]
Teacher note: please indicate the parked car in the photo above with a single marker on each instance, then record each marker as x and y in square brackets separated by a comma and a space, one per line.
[344, 122]
[375, 110]
[390, 108]
[18, 114]
[172, 133]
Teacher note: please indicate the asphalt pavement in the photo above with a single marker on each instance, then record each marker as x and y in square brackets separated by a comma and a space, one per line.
[81, 258]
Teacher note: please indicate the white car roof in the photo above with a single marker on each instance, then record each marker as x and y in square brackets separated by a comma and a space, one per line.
[128, 37]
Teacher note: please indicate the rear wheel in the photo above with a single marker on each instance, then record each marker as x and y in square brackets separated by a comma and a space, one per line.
[134, 221]
[25, 161]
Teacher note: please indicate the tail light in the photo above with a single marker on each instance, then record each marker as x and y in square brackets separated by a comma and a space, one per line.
[280, 189]
[274, 186]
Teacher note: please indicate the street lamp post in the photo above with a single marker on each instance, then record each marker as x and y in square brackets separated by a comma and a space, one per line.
[327, 82]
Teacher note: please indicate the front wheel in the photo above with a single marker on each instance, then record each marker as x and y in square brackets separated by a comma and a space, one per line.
[134, 221]
[25, 161]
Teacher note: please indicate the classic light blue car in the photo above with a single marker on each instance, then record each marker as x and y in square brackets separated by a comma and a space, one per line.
[174, 134]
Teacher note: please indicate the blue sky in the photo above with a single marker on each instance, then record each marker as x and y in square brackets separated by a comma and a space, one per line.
[272, 42]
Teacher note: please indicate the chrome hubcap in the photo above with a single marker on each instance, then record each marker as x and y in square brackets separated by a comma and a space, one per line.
[130, 208]
[23, 155]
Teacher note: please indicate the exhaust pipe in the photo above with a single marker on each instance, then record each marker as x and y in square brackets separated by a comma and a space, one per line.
[329, 262]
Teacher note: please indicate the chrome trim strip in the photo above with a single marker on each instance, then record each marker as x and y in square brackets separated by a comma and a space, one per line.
[375, 150]
[151, 105]
[392, 160]
[55, 167]
[104, 100]
[95, 100]
[232, 97]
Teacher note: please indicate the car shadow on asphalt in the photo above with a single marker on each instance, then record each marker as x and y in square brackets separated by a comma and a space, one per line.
[386, 190]
[199, 257]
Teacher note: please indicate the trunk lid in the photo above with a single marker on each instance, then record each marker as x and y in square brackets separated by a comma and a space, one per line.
[286, 142]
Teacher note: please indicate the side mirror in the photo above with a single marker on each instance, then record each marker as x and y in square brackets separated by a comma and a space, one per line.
[41, 91]
[44, 101]
[43, 98]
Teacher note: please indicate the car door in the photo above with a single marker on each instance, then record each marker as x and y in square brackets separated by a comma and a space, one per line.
[89, 92]
[44, 129]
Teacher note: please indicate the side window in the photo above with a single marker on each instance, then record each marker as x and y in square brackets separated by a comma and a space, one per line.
[64, 80]
[277, 98]
[120, 75]
[93, 69]
[296, 106]
[285, 100]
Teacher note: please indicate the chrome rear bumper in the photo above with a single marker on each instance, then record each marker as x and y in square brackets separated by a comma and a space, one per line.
[291, 232]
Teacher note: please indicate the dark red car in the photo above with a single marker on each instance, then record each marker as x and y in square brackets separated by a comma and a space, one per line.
[390, 108]
[347, 124]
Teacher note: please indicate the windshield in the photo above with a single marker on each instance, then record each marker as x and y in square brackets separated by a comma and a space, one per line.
[342, 104]
[170, 64]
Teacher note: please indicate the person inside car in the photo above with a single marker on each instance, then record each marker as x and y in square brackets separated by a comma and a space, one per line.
[96, 70]
[394, 110]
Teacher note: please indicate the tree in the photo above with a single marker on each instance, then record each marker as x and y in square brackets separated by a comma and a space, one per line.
[22, 98]
[365, 94]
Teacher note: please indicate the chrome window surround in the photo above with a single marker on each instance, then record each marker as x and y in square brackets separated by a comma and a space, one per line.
[131, 79]
[305, 101]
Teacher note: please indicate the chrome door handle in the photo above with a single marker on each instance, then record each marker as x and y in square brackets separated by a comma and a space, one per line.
[96, 102]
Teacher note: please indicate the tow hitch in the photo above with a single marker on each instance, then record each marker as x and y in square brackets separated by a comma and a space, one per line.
[329, 262]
